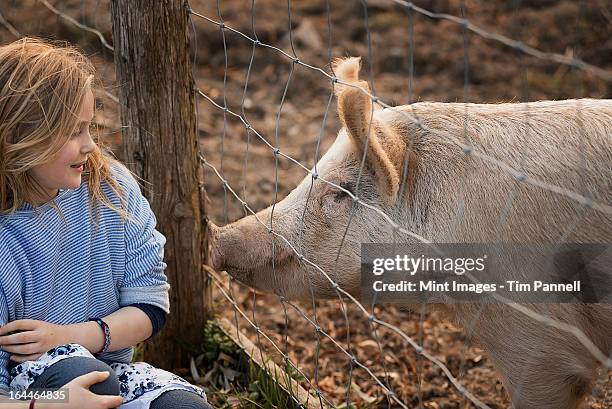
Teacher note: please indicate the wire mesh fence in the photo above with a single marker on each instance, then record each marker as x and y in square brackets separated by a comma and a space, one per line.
[261, 136]
[369, 313]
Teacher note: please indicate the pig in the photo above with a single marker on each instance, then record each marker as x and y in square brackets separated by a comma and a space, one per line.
[417, 174]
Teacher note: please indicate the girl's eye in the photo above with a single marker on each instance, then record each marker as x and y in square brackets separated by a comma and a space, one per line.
[78, 132]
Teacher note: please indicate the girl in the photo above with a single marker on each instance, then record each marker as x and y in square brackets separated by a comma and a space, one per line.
[81, 264]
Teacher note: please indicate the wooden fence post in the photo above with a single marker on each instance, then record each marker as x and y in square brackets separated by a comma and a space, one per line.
[160, 144]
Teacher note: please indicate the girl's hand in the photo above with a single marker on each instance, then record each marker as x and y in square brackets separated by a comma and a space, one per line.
[33, 339]
[79, 395]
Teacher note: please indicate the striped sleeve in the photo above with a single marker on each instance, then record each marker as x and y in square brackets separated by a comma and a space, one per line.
[144, 280]
[4, 356]
[8, 281]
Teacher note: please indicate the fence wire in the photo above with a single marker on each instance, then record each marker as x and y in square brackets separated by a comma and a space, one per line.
[369, 315]
[9, 27]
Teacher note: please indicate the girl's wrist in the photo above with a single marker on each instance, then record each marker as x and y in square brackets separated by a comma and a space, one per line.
[66, 335]
[86, 334]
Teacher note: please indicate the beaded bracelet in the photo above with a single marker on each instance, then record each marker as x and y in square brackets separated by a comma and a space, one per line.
[107, 335]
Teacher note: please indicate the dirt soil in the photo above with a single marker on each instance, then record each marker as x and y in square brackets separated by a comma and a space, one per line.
[494, 73]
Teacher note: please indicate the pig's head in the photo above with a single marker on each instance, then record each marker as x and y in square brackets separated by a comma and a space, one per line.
[315, 215]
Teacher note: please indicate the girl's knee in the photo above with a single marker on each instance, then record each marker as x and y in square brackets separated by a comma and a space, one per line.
[64, 371]
[179, 398]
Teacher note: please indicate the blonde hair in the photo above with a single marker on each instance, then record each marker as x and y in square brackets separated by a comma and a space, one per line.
[42, 88]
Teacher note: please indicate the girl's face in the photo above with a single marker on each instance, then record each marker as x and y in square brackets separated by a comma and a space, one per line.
[64, 171]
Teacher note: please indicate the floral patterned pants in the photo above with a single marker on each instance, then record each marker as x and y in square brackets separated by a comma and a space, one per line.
[139, 382]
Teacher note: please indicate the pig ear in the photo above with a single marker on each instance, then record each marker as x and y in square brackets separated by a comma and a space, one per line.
[346, 70]
[355, 111]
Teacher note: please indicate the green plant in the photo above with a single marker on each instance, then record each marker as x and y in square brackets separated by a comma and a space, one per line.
[216, 341]
[236, 381]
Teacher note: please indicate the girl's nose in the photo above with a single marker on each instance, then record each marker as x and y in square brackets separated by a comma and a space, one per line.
[88, 144]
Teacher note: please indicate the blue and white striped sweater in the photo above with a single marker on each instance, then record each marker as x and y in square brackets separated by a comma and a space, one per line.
[65, 270]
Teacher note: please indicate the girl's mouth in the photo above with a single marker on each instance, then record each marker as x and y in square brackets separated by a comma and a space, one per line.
[79, 167]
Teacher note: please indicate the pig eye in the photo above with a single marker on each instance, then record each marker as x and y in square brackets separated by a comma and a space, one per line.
[334, 202]
[341, 194]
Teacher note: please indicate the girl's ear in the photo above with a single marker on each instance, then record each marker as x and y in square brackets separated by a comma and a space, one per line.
[355, 111]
